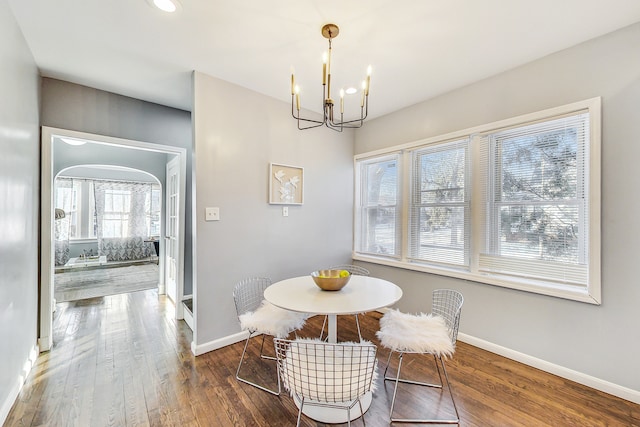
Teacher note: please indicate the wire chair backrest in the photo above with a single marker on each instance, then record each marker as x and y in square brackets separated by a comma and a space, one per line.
[447, 303]
[356, 270]
[325, 372]
[249, 293]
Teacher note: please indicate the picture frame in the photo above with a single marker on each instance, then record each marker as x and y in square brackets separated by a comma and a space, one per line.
[286, 184]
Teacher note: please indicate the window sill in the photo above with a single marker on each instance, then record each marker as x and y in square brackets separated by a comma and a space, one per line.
[574, 293]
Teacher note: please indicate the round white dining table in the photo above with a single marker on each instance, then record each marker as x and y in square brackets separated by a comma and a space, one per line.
[361, 294]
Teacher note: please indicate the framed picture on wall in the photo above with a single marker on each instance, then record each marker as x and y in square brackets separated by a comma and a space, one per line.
[285, 184]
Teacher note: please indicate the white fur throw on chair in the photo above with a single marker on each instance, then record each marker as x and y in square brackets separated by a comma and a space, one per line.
[409, 333]
[271, 320]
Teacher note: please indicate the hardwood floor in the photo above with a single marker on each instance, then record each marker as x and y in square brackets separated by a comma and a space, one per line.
[123, 361]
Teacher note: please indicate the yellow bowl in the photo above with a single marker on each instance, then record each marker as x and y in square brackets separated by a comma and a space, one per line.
[330, 280]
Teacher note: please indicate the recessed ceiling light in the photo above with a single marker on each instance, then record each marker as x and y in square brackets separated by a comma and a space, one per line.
[73, 141]
[351, 90]
[166, 5]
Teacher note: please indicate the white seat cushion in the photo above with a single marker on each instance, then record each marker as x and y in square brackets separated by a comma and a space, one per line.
[410, 333]
[271, 320]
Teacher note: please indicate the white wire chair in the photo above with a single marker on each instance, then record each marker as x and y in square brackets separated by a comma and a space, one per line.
[434, 334]
[317, 373]
[355, 270]
[257, 316]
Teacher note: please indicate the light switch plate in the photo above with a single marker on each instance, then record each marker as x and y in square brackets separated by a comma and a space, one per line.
[212, 214]
[285, 211]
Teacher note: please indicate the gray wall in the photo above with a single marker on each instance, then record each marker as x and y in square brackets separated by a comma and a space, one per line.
[70, 106]
[19, 186]
[237, 134]
[600, 341]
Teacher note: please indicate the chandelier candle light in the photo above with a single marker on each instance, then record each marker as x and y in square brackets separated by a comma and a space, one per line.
[330, 31]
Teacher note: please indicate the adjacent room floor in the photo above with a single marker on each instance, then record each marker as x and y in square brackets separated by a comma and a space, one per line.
[110, 279]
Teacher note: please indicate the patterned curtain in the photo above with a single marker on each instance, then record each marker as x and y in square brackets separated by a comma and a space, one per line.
[121, 218]
[63, 195]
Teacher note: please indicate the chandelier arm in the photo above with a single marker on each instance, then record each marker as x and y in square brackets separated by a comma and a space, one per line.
[349, 123]
[299, 118]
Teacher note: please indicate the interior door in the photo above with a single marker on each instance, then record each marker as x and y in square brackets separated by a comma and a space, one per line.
[172, 237]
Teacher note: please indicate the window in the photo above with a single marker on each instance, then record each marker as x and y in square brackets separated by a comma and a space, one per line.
[537, 201]
[378, 206]
[152, 205]
[117, 207]
[439, 215]
[513, 203]
[77, 197]
[68, 197]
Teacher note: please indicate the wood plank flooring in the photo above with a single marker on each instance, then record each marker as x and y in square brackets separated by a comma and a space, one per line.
[123, 360]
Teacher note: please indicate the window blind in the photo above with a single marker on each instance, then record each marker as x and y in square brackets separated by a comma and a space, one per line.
[378, 207]
[534, 200]
[439, 213]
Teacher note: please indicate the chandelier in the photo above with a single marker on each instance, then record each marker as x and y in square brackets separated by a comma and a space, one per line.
[331, 118]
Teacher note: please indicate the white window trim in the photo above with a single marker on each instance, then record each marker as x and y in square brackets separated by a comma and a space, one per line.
[589, 294]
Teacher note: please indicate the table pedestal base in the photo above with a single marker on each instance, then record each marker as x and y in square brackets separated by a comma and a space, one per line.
[334, 415]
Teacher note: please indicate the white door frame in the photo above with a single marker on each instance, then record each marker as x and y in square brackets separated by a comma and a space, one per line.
[47, 264]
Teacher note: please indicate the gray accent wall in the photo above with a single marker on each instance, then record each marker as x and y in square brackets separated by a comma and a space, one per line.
[19, 205]
[74, 107]
[600, 341]
[237, 133]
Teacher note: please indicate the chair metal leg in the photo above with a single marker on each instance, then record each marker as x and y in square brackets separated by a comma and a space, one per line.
[395, 389]
[239, 378]
[405, 381]
[262, 355]
[300, 411]
[324, 322]
[440, 386]
[358, 326]
[361, 412]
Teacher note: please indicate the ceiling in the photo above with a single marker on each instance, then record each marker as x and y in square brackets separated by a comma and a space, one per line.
[418, 48]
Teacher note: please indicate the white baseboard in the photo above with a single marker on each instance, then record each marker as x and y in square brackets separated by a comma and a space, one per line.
[197, 350]
[584, 379]
[17, 386]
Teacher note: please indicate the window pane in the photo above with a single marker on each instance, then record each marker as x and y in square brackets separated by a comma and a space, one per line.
[442, 235]
[442, 176]
[380, 231]
[382, 180]
[543, 232]
[539, 166]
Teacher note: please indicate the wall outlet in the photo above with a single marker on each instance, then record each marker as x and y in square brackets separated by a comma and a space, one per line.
[212, 214]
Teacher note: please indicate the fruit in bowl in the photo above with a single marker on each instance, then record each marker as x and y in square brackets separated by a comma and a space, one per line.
[331, 280]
